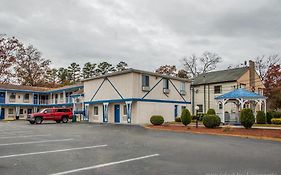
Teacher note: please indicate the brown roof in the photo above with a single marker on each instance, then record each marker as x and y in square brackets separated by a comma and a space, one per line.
[22, 87]
[34, 88]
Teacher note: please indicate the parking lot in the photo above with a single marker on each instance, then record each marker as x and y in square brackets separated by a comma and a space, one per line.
[75, 148]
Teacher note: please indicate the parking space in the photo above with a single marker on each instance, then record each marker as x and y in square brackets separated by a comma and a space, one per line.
[75, 148]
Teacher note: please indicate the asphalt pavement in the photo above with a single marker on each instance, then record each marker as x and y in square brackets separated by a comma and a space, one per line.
[107, 149]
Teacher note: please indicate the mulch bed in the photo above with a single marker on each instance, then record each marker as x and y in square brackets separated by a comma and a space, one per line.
[256, 133]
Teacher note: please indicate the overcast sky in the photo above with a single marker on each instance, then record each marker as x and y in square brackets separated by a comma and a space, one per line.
[144, 33]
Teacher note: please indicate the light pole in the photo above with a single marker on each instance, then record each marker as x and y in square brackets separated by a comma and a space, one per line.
[197, 118]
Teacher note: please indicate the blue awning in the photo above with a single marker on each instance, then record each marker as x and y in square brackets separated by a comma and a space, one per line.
[240, 93]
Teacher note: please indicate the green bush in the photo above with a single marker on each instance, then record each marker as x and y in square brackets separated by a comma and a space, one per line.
[247, 118]
[211, 121]
[211, 112]
[157, 120]
[276, 121]
[178, 119]
[276, 114]
[269, 116]
[261, 118]
[200, 116]
[185, 117]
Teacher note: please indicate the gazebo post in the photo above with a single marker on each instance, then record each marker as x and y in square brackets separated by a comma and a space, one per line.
[223, 113]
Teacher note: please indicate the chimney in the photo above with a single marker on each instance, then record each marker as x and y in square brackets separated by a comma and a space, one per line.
[252, 75]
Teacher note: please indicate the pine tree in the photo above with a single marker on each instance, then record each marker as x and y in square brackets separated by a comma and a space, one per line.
[74, 72]
[88, 70]
[121, 66]
[104, 68]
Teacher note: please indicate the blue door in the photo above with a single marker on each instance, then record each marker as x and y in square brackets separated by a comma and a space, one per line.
[117, 113]
[176, 111]
[2, 113]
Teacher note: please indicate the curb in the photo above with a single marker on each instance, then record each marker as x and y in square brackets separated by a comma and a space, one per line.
[231, 135]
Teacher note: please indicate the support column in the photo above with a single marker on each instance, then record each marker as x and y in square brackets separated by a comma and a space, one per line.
[105, 112]
[265, 106]
[1, 112]
[64, 96]
[73, 106]
[129, 111]
[17, 111]
[6, 96]
[223, 112]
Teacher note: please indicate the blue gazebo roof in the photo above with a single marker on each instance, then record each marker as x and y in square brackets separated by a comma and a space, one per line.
[240, 93]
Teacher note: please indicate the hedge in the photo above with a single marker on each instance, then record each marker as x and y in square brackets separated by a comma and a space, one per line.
[261, 118]
[157, 120]
[211, 112]
[276, 121]
[178, 119]
[185, 117]
[247, 118]
[211, 121]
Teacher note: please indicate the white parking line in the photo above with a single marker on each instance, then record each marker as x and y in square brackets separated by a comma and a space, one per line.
[33, 142]
[53, 151]
[104, 165]
[11, 137]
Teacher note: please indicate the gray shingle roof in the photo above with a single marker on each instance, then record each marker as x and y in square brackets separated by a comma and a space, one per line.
[220, 76]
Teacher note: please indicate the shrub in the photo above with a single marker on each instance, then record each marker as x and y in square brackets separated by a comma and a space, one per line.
[178, 119]
[211, 121]
[261, 119]
[211, 112]
[157, 120]
[277, 114]
[185, 117]
[200, 116]
[247, 118]
[276, 121]
[269, 116]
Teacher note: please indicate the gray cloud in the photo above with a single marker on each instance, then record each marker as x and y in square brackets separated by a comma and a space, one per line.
[144, 33]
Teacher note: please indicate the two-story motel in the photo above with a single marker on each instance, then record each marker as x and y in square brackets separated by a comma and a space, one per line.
[18, 101]
[133, 96]
[130, 96]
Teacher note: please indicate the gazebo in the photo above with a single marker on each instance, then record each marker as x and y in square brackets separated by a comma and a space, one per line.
[240, 97]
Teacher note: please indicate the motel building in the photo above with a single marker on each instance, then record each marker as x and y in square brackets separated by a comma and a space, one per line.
[17, 101]
[129, 96]
[133, 96]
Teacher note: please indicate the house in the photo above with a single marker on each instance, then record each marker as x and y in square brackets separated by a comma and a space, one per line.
[206, 87]
[133, 96]
[17, 101]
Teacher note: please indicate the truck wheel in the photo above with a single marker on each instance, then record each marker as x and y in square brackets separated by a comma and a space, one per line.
[38, 120]
[64, 119]
[32, 122]
[58, 121]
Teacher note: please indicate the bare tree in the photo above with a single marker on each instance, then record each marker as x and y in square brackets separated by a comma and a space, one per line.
[167, 70]
[263, 63]
[197, 65]
[8, 50]
[30, 68]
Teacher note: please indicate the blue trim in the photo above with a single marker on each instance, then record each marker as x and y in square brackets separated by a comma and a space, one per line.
[115, 88]
[98, 90]
[177, 90]
[77, 95]
[152, 88]
[60, 90]
[137, 99]
[39, 105]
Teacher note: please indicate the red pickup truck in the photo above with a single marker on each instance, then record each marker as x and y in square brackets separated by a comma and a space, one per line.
[56, 114]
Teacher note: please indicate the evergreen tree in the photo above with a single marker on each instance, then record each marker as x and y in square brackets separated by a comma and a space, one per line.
[89, 70]
[104, 68]
[74, 72]
[121, 66]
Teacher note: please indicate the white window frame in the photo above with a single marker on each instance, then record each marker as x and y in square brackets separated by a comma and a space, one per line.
[125, 110]
[96, 110]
